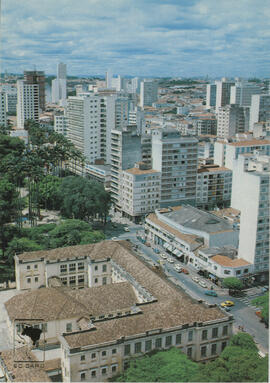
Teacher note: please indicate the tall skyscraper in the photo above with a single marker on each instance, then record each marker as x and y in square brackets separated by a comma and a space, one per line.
[108, 79]
[223, 92]
[27, 103]
[148, 93]
[175, 156]
[211, 93]
[37, 78]
[260, 109]
[230, 121]
[59, 85]
[241, 93]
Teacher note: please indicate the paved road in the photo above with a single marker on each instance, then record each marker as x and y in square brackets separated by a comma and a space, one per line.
[243, 311]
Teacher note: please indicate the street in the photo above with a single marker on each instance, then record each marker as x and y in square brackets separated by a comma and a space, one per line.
[243, 311]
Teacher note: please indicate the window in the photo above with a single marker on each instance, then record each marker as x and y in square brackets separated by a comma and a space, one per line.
[138, 347]
[158, 343]
[28, 280]
[44, 327]
[28, 267]
[189, 352]
[72, 267]
[114, 351]
[213, 349]
[114, 368]
[214, 332]
[203, 351]
[82, 358]
[81, 279]
[68, 327]
[227, 271]
[96, 280]
[127, 349]
[238, 272]
[104, 268]
[35, 266]
[93, 373]
[168, 340]
[190, 336]
[82, 376]
[204, 335]
[64, 281]
[96, 268]
[93, 355]
[104, 353]
[80, 266]
[148, 345]
[223, 345]
[72, 280]
[225, 330]
[36, 279]
[104, 280]
[104, 370]
[178, 338]
[63, 268]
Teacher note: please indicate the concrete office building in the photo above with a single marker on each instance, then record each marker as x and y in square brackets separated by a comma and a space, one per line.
[242, 92]
[148, 93]
[211, 93]
[226, 152]
[27, 103]
[140, 191]
[91, 118]
[251, 195]
[11, 97]
[125, 152]
[230, 121]
[214, 186]
[37, 78]
[175, 157]
[59, 85]
[3, 113]
[61, 124]
[205, 125]
[259, 110]
[223, 93]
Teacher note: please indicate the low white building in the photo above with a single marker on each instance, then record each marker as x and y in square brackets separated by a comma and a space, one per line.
[140, 191]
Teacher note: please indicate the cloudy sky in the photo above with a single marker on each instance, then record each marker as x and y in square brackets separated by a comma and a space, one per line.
[138, 37]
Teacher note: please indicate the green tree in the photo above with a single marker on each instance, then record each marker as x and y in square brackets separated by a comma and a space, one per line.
[49, 192]
[233, 283]
[239, 362]
[263, 302]
[21, 245]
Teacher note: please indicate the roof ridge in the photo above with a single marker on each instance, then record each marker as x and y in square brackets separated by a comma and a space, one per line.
[70, 297]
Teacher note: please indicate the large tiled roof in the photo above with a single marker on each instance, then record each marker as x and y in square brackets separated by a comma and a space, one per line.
[226, 261]
[52, 304]
[23, 374]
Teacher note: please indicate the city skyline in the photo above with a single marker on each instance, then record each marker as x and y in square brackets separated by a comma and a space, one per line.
[142, 38]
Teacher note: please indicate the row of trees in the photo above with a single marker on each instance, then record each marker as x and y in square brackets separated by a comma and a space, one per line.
[239, 362]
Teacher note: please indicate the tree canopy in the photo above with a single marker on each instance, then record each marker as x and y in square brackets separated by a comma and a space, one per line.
[263, 302]
[163, 366]
[233, 283]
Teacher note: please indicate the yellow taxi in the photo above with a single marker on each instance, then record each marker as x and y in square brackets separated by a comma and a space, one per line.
[227, 304]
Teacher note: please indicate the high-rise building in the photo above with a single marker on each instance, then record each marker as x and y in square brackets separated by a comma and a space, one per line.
[259, 110]
[223, 93]
[37, 78]
[241, 93]
[230, 121]
[175, 157]
[125, 152]
[148, 93]
[27, 103]
[61, 124]
[59, 85]
[211, 93]
[91, 118]
[108, 79]
[3, 114]
[116, 83]
[251, 195]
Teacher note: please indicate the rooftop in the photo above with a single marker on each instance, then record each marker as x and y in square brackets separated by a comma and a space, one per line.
[138, 171]
[213, 168]
[250, 143]
[195, 219]
[226, 261]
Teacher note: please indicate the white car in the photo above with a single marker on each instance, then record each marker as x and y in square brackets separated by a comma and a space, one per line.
[177, 268]
[170, 260]
[114, 239]
[203, 284]
[164, 256]
[195, 279]
[126, 229]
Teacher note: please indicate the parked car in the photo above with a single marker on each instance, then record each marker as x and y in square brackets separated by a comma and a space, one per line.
[164, 256]
[157, 251]
[212, 293]
[185, 271]
[227, 304]
[126, 229]
[114, 239]
[203, 284]
[178, 268]
[170, 260]
[195, 279]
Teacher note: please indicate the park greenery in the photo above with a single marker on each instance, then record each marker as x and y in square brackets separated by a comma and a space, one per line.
[238, 362]
[233, 283]
[263, 303]
[41, 169]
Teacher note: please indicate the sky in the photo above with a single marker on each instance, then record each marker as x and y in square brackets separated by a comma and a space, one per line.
[148, 38]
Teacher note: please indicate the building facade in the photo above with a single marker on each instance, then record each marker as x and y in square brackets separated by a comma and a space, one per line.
[28, 107]
[148, 93]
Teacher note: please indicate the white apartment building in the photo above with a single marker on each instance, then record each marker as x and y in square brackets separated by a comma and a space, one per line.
[214, 185]
[59, 85]
[3, 113]
[140, 191]
[148, 93]
[211, 93]
[175, 157]
[206, 150]
[27, 103]
[100, 173]
[11, 97]
[242, 92]
[251, 195]
[125, 152]
[223, 92]
[230, 121]
[91, 118]
[61, 124]
[226, 152]
[205, 125]
[259, 110]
